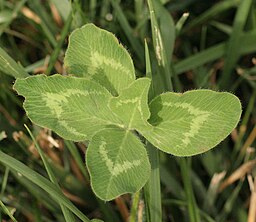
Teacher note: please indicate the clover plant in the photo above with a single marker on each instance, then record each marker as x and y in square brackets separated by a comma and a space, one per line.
[102, 102]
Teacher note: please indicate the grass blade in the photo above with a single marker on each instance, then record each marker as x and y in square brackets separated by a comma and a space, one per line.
[234, 43]
[215, 52]
[181, 22]
[160, 53]
[229, 204]
[14, 14]
[152, 189]
[5, 209]
[194, 215]
[67, 214]
[37, 64]
[212, 12]
[92, 6]
[4, 181]
[46, 22]
[167, 30]
[10, 67]
[41, 182]
[134, 207]
[73, 150]
[152, 91]
[136, 45]
[58, 47]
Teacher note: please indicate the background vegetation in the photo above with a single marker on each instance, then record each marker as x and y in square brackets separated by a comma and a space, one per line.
[215, 45]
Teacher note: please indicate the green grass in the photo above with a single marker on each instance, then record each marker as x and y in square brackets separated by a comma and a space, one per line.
[213, 48]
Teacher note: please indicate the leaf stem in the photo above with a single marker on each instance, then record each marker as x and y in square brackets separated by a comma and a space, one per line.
[194, 215]
[134, 207]
[152, 189]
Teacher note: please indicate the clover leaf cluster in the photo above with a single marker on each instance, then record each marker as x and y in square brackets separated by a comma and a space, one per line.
[102, 102]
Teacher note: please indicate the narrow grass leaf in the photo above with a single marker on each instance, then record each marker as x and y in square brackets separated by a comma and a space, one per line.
[4, 181]
[180, 23]
[215, 52]
[92, 8]
[37, 192]
[212, 12]
[134, 207]
[10, 67]
[135, 43]
[163, 63]
[149, 73]
[230, 203]
[14, 14]
[41, 182]
[169, 180]
[227, 29]
[194, 215]
[152, 189]
[234, 43]
[57, 49]
[67, 214]
[167, 29]
[32, 67]
[75, 153]
[117, 162]
[6, 210]
[46, 22]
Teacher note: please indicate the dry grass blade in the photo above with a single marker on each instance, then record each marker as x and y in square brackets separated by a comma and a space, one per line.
[252, 208]
[140, 211]
[238, 174]
[7, 115]
[56, 16]
[31, 15]
[74, 198]
[251, 138]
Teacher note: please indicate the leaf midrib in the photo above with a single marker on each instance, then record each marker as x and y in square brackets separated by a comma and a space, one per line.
[117, 157]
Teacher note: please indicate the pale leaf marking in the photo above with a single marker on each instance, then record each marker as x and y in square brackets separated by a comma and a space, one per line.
[121, 102]
[116, 169]
[54, 102]
[98, 60]
[196, 123]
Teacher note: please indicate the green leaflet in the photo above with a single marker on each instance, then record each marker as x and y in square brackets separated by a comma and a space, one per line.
[192, 123]
[117, 162]
[95, 53]
[131, 106]
[75, 108]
